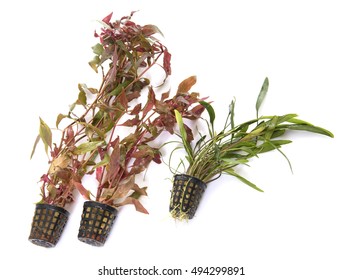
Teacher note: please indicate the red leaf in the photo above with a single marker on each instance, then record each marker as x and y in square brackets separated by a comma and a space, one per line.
[157, 158]
[138, 206]
[85, 193]
[131, 122]
[99, 171]
[136, 110]
[114, 163]
[108, 18]
[167, 62]
[150, 102]
[197, 111]
[122, 99]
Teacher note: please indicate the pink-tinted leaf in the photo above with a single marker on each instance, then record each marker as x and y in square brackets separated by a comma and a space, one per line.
[131, 122]
[138, 206]
[167, 62]
[81, 189]
[189, 134]
[196, 112]
[108, 18]
[122, 99]
[150, 102]
[150, 29]
[114, 163]
[136, 110]
[99, 172]
[125, 187]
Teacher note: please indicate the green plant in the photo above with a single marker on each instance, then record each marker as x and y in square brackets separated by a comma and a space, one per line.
[220, 153]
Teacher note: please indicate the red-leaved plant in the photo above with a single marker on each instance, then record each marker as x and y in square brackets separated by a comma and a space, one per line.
[125, 53]
[130, 51]
[121, 160]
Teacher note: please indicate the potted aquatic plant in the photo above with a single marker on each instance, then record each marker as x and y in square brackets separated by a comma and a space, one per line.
[124, 55]
[123, 158]
[217, 153]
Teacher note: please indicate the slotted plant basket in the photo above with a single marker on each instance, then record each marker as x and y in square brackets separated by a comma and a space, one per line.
[96, 222]
[47, 225]
[186, 195]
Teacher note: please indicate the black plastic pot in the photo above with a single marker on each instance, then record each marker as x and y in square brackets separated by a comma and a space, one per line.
[186, 194]
[47, 225]
[96, 222]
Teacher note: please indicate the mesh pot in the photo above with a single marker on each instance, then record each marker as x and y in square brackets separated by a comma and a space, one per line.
[47, 225]
[186, 194]
[96, 222]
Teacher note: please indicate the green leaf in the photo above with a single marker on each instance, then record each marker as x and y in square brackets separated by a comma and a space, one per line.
[89, 91]
[82, 98]
[210, 111]
[93, 128]
[270, 127]
[262, 95]
[94, 63]
[103, 162]
[272, 145]
[242, 179]
[97, 49]
[60, 117]
[184, 137]
[45, 134]
[87, 147]
[309, 128]
[119, 88]
[35, 145]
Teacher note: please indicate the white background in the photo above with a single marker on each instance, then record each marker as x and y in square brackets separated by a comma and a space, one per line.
[291, 231]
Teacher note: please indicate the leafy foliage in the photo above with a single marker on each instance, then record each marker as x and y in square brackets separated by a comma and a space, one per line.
[131, 155]
[220, 153]
[125, 53]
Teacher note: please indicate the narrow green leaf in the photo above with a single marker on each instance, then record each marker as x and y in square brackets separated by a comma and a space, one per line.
[103, 162]
[210, 111]
[272, 145]
[183, 134]
[309, 128]
[270, 127]
[45, 134]
[262, 95]
[119, 88]
[232, 113]
[87, 147]
[35, 145]
[242, 179]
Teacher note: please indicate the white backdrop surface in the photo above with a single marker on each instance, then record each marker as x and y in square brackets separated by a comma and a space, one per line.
[291, 231]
